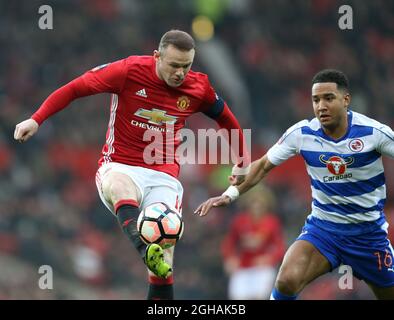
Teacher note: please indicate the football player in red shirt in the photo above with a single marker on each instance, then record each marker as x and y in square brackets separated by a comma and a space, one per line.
[253, 247]
[149, 94]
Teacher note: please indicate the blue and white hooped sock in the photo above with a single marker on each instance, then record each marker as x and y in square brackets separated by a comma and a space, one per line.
[276, 295]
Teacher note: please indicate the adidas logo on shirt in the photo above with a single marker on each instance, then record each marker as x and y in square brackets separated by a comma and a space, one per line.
[141, 93]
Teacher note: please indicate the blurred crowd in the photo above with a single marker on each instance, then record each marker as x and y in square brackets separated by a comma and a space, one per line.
[50, 213]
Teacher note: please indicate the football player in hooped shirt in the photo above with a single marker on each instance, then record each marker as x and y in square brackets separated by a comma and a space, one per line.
[155, 93]
[343, 152]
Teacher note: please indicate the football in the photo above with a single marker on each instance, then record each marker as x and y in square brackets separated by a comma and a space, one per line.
[157, 223]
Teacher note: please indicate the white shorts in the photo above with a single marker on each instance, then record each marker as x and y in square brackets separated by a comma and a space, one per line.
[252, 283]
[154, 186]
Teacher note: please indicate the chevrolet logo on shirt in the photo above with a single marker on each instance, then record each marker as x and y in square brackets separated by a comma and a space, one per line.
[156, 116]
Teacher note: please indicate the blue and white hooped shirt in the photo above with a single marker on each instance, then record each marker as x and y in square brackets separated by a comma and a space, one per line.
[347, 175]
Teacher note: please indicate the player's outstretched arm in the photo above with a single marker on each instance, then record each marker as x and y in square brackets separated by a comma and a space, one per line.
[25, 130]
[107, 78]
[258, 171]
[221, 113]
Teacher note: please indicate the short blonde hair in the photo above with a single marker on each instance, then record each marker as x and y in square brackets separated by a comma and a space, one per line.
[179, 39]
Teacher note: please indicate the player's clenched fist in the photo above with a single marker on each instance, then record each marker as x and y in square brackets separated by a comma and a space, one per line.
[25, 129]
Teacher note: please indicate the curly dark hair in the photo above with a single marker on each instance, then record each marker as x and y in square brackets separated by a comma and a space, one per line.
[332, 75]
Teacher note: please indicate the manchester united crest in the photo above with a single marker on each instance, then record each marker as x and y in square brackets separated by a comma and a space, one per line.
[183, 103]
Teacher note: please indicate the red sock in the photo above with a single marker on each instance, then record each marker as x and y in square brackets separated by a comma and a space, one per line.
[161, 289]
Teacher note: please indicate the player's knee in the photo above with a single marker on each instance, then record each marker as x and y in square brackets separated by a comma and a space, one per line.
[119, 190]
[289, 283]
[116, 189]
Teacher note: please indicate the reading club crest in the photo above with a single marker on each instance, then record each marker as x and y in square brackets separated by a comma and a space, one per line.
[356, 145]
